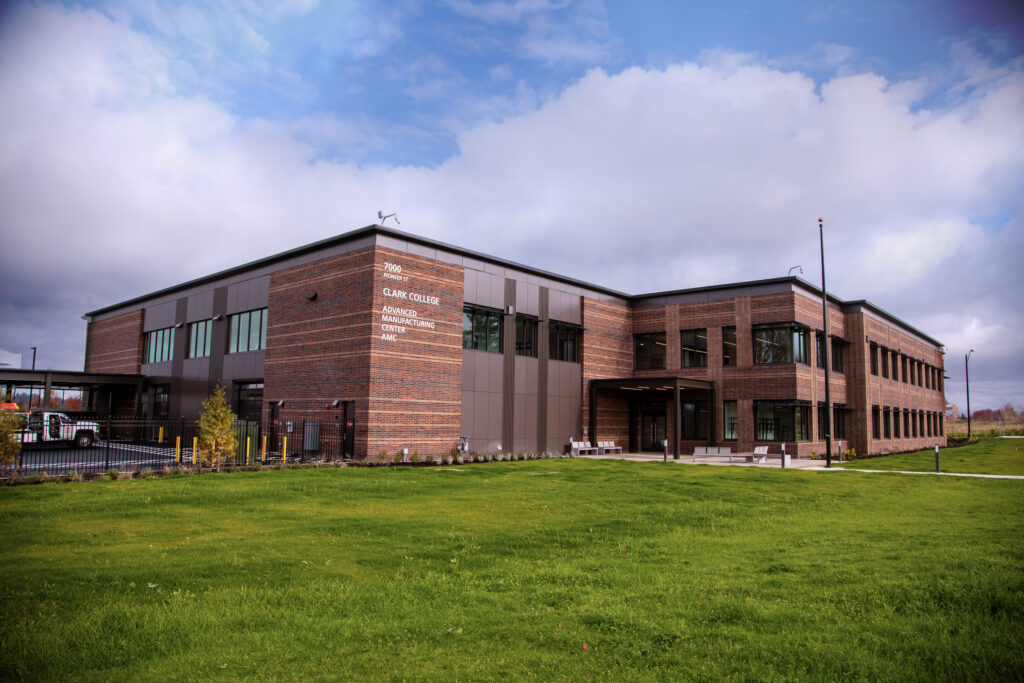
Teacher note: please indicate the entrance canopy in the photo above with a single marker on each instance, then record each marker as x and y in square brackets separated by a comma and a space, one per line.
[673, 384]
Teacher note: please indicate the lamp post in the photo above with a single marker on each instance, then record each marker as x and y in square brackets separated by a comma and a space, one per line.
[826, 347]
[967, 381]
[33, 358]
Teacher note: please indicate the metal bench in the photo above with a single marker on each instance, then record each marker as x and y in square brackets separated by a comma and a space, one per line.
[582, 447]
[604, 447]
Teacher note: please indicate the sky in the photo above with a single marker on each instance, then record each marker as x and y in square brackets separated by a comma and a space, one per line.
[638, 146]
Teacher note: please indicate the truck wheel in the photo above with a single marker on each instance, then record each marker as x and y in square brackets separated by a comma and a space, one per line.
[83, 439]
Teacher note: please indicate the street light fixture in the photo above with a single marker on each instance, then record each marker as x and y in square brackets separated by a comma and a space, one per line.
[33, 357]
[967, 381]
[826, 347]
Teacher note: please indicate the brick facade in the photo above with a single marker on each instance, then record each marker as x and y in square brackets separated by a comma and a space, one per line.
[114, 344]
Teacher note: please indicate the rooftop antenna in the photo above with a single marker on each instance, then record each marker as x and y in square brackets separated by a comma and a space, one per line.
[381, 217]
[795, 268]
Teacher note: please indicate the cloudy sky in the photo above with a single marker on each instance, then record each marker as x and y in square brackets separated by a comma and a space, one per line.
[640, 146]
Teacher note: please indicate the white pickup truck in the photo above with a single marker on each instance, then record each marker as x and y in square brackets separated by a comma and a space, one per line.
[50, 426]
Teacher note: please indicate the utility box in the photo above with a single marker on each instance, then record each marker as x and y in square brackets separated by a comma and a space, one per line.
[311, 437]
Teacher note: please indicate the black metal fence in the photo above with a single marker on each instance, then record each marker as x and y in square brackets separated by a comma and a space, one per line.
[129, 445]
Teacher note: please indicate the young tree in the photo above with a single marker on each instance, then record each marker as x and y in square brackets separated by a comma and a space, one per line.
[217, 440]
[10, 443]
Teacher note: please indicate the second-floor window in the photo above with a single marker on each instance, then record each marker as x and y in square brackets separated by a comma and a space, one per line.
[248, 331]
[200, 336]
[526, 336]
[728, 346]
[481, 329]
[780, 344]
[160, 345]
[564, 341]
[649, 351]
[693, 348]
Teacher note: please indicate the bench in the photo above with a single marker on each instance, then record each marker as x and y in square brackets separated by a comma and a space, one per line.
[760, 455]
[604, 447]
[582, 447]
[712, 450]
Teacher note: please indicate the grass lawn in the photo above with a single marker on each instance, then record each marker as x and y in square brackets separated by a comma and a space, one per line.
[988, 456]
[548, 570]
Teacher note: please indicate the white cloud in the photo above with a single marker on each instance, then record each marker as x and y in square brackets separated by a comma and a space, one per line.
[114, 183]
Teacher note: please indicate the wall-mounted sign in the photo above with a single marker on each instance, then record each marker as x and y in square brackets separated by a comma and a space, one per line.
[398, 318]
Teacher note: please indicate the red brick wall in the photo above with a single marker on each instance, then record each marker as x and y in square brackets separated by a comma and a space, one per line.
[115, 344]
[607, 352]
[415, 394]
[318, 351]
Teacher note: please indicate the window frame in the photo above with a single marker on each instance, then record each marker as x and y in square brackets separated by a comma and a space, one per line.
[564, 348]
[243, 327]
[527, 326]
[793, 337]
[487, 326]
[729, 356]
[654, 339]
[159, 345]
[693, 350]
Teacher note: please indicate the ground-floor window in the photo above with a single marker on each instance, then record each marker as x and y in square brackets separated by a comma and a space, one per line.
[896, 423]
[694, 420]
[161, 402]
[249, 402]
[782, 421]
[876, 422]
[838, 421]
[730, 431]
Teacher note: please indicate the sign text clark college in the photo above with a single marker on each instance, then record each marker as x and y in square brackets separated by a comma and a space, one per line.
[394, 319]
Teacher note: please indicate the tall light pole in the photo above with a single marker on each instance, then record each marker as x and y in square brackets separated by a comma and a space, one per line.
[826, 347]
[33, 358]
[967, 381]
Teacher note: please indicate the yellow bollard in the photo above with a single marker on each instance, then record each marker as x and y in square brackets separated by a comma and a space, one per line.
[284, 452]
[247, 451]
[177, 449]
[160, 437]
[263, 453]
[195, 449]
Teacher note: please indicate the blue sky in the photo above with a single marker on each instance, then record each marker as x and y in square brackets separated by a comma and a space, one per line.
[641, 146]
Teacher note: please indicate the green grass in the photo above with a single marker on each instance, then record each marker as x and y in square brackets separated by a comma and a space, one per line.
[505, 571]
[988, 456]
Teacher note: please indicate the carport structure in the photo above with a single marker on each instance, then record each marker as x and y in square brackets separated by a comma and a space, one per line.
[647, 390]
[99, 392]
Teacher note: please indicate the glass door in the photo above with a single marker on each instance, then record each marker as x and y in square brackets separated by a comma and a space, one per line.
[652, 426]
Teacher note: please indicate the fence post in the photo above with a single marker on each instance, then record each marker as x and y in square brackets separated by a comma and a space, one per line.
[177, 449]
[247, 451]
[263, 452]
[106, 446]
[284, 452]
[195, 448]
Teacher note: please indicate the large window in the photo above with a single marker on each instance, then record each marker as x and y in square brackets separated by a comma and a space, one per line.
[481, 329]
[838, 421]
[730, 430]
[693, 348]
[248, 331]
[694, 416]
[526, 336]
[876, 422]
[896, 423]
[564, 341]
[780, 344]
[885, 363]
[200, 335]
[838, 353]
[728, 346]
[781, 421]
[160, 345]
[886, 429]
[874, 358]
[249, 400]
[649, 351]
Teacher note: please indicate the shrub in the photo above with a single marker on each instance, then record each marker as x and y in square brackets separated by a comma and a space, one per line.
[10, 444]
[145, 473]
[110, 475]
[415, 457]
[459, 460]
[850, 454]
[75, 476]
[217, 439]
[124, 475]
[398, 458]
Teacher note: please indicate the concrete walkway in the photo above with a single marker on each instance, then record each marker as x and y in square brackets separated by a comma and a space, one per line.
[795, 464]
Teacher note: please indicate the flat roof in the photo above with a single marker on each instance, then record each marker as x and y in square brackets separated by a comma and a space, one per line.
[375, 229]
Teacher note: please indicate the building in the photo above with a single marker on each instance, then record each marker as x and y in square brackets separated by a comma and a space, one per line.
[411, 343]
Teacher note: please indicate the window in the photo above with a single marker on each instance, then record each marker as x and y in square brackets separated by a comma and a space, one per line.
[248, 331]
[781, 421]
[161, 402]
[730, 429]
[564, 341]
[896, 423]
[874, 358]
[929, 423]
[941, 426]
[199, 336]
[838, 352]
[160, 345]
[819, 349]
[694, 416]
[649, 351]
[693, 348]
[876, 423]
[249, 403]
[780, 344]
[895, 365]
[920, 422]
[526, 336]
[885, 363]
[886, 423]
[906, 423]
[920, 372]
[481, 329]
[838, 421]
[903, 369]
[728, 346]
[927, 377]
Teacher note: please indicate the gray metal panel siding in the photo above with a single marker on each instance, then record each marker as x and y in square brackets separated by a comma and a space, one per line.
[200, 306]
[159, 316]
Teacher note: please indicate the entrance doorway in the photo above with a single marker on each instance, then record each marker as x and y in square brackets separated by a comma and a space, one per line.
[652, 426]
